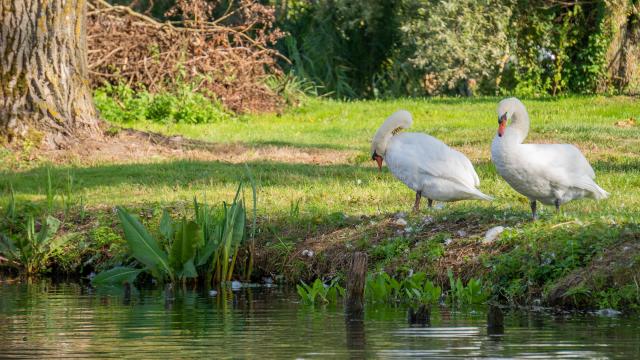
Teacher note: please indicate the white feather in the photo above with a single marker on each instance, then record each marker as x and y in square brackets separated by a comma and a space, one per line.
[426, 164]
[542, 172]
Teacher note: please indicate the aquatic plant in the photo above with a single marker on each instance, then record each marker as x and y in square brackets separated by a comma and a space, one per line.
[30, 251]
[471, 294]
[381, 287]
[222, 237]
[206, 246]
[319, 291]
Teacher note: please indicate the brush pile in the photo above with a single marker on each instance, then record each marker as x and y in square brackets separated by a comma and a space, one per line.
[226, 58]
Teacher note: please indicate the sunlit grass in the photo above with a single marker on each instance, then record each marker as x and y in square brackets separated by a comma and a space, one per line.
[355, 187]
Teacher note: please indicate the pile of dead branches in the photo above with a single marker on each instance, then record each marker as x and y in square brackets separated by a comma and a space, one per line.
[226, 58]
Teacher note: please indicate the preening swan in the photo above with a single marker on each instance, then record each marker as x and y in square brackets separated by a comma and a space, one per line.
[550, 173]
[423, 163]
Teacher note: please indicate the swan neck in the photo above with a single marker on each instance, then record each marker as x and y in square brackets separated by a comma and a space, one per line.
[519, 127]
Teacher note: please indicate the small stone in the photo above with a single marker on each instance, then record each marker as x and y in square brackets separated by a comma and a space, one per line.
[492, 234]
[401, 222]
[448, 241]
[307, 253]
[461, 233]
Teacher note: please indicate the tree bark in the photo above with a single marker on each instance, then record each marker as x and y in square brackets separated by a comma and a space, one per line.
[44, 91]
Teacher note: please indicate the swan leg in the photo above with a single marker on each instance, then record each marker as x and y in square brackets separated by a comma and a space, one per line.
[534, 209]
[557, 203]
[416, 206]
[430, 203]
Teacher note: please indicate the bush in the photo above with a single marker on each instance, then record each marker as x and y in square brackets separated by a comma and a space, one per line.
[123, 105]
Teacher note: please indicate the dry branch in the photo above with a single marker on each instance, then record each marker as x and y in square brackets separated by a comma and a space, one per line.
[226, 62]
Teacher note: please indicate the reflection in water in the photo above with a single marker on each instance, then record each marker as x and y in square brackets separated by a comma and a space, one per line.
[44, 320]
[356, 339]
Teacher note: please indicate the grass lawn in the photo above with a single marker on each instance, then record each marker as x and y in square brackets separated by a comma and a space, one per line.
[312, 165]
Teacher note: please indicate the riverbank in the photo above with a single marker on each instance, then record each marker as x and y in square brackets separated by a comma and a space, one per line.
[318, 191]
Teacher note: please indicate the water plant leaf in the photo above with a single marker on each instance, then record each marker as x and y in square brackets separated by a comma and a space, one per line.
[143, 246]
[189, 270]
[215, 239]
[188, 237]
[49, 227]
[166, 225]
[118, 275]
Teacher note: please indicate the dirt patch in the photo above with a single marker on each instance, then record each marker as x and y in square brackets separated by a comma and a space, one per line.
[131, 146]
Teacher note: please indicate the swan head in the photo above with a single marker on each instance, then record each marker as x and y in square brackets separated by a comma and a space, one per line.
[399, 120]
[506, 109]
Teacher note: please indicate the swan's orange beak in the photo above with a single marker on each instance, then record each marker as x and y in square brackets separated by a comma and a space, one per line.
[378, 159]
[502, 124]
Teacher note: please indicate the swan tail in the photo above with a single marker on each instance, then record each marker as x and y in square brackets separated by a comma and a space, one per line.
[596, 191]
[477, 194]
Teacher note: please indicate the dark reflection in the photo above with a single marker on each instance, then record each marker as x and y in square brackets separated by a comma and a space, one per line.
[420, 317]
[495, 320]
[356, 339]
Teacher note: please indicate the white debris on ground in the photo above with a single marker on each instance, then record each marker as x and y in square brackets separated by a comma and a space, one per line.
[307, 253]
[608, 312]
[448, 241]
[461, 233]
[401, 222]
[492, 234]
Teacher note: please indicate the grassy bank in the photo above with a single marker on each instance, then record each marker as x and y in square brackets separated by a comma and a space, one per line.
[319, 190]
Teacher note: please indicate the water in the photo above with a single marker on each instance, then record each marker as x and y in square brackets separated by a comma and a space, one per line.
[69, 320]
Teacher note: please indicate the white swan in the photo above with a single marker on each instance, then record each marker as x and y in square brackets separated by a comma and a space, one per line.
[550, 173]
[423, 163]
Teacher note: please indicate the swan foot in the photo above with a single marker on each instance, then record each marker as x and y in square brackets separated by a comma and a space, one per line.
[557, 203]
[430, 203]
[416, 206]
[534, 209]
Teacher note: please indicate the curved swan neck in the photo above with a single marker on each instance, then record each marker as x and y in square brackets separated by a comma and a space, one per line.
[396, 122]
[519, 127]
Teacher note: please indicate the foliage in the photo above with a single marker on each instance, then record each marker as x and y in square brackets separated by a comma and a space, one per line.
[417, 47]
[342, 46]
[455, 43]
[28, 243]
[120, 103]
[32, 249]
[380, 287]
[207, 246]
[471, 294]
[320, 292]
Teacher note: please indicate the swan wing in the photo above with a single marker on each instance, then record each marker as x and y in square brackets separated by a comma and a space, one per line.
[559, 163]
[425, 155]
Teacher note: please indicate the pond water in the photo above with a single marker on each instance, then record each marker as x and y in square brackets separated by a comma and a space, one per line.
[70, 320]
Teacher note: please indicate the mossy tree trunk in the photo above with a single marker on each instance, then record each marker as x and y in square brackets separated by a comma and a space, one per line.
[43, 72]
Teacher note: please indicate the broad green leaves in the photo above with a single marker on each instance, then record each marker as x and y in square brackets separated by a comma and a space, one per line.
[143, 246]
[116, 276]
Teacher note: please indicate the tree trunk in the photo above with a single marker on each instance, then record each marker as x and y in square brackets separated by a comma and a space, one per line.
[44, 92]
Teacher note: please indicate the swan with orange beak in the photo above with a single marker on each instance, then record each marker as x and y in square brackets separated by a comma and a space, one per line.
[423, 163]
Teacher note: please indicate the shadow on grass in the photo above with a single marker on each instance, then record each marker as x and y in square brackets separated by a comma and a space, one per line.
[183, 173]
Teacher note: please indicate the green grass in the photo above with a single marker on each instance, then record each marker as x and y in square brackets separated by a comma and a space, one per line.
[314, 196]
[355, 187]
